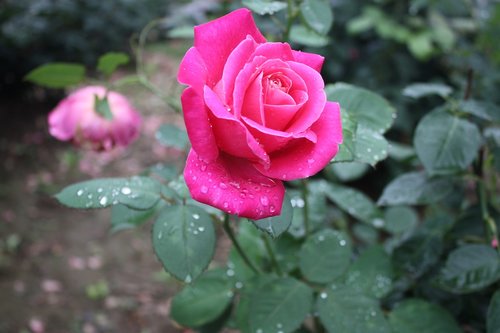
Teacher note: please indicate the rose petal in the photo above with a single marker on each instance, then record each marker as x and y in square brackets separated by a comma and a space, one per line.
[276, 96]
[273, 140]
[231, 135]
[198, 125]
[315, 104]
[302, 158]
[253, 105]
[312, 60]
[193, 70]
[216, 40]
[278, 116]
[280, 51]
[63, 122]
[234, 186]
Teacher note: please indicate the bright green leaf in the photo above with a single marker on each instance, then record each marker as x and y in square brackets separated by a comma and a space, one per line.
[57, 75]
[418, 316]
[265, 7]
[445, 143]
[184, 241]
[347, 148]
[110, 61]
[277, 225]
[420, 45]
[371, 147]
[308, 37]
[325, 256]
[101, 106]
[317, 15]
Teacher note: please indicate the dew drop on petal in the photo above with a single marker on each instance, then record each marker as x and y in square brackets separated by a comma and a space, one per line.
[264, 201]
[204, 189]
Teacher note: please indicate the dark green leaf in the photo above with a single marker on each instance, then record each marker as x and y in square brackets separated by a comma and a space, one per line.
[417, 254]
[371, 273]
[445, 143]
[370, 147]
[371, 110]
[135, 192]
[415, 188]
[483, 110]
[400, 219]
[470, 268]
[108, 62]
[101, 106]
[419, 90]
[172, 136]
[418, 316]
[57, 75]
[325, 256]
[280, 305]
[277, 225]
[263, 7]
[317, 15]
[400, 152]
[493, 319]
[123, 217]
[343, 310]
[308, 37]
[202, 301]
[349, 171]
[184, 241]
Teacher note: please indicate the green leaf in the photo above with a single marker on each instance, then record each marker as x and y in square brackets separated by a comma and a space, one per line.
[400, 219]
[445, 143]
[165, 171]
[419, 90]
[325, 256]
[308, 37]
[101, 106]
[172, 136]
[110, 61]
[317, 15]
[484, 110]
[184, 241]
[349, 171]
[417, 316]
[343, 310]
[202, 301]
[277, 225]
[280, 305]
[263, 7]
[123, 217]
[493, 318]
[418, 254]
[400, 152]
[414, 188]
[347, 149]
[57, 75]
[135, 192]
[470, 268]
[355, 203]
[371, 274]
[371, 147]
[253, 246]
[420, 45]
[371, 110]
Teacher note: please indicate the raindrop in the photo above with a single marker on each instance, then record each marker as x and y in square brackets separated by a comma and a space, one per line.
[264, 201]
[103, 201]
[89, 196]
[230, 294]
[225, 204]
[378, 223]
[259, 331]
[160, 234]
[126, 190]
[230, 272]
[201, 229]
[79, 193]
[272, 209]
[369, 150]
[300, 202]
[188, 278]
[279, 325]
[196, 216]
[222, 186]
[323, 295]
[342, 242]
[204, 189]
[99, 190]
[194, 178]
[238, 285]
[321, 238]
[203, 167]
[311, 161]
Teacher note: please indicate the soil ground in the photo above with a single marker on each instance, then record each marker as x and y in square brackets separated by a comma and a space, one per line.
[60, 269]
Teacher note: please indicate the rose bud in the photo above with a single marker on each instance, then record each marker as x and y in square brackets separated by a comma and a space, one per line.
[92, 119]
[256, 114]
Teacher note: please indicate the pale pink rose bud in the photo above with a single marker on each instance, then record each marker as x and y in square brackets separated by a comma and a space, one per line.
[76, 119]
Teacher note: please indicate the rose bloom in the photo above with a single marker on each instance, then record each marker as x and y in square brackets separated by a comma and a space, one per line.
[75, 119]
[256, 114]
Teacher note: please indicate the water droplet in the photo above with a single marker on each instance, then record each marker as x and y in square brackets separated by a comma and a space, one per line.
[126, 190]
[201, 229]
[321, 238]
[264, 201]
[160, 234]
[222, 186]
[89, 196]
[272, 209]
[259, 331]
[103, 201]
[378, 223]
[323, 295]
[230, 272]
[225, 204]
[203, 167]
[279, 325]
[230, 294]
[196, 216]
[342, 242]
[238, 285]
[369, 150]
[300, 203]
[194, 178]
[188, 279]
[311, 161]
[204, 189]
[79, 193]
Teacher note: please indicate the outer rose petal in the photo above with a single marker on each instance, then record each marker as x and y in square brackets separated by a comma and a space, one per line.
[234, 186]
[310, 59]
[192, 70]
[302, 158]
[215, 40]
[198, 125]
[63, 122]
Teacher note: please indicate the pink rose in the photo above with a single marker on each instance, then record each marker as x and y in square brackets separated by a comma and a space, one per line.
[256, 114]
[75, 118]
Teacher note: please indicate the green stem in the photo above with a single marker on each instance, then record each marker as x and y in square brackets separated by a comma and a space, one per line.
[306, 207]
[270, 251]
[230, 233]
[289, 20]
[489, 223]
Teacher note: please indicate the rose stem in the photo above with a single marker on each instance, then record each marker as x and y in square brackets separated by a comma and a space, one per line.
[306, 208]
[270, 251]
[230, 233]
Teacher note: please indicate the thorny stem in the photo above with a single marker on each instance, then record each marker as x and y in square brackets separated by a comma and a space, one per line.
[230, 233]
[270, 251]
[306, 207]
